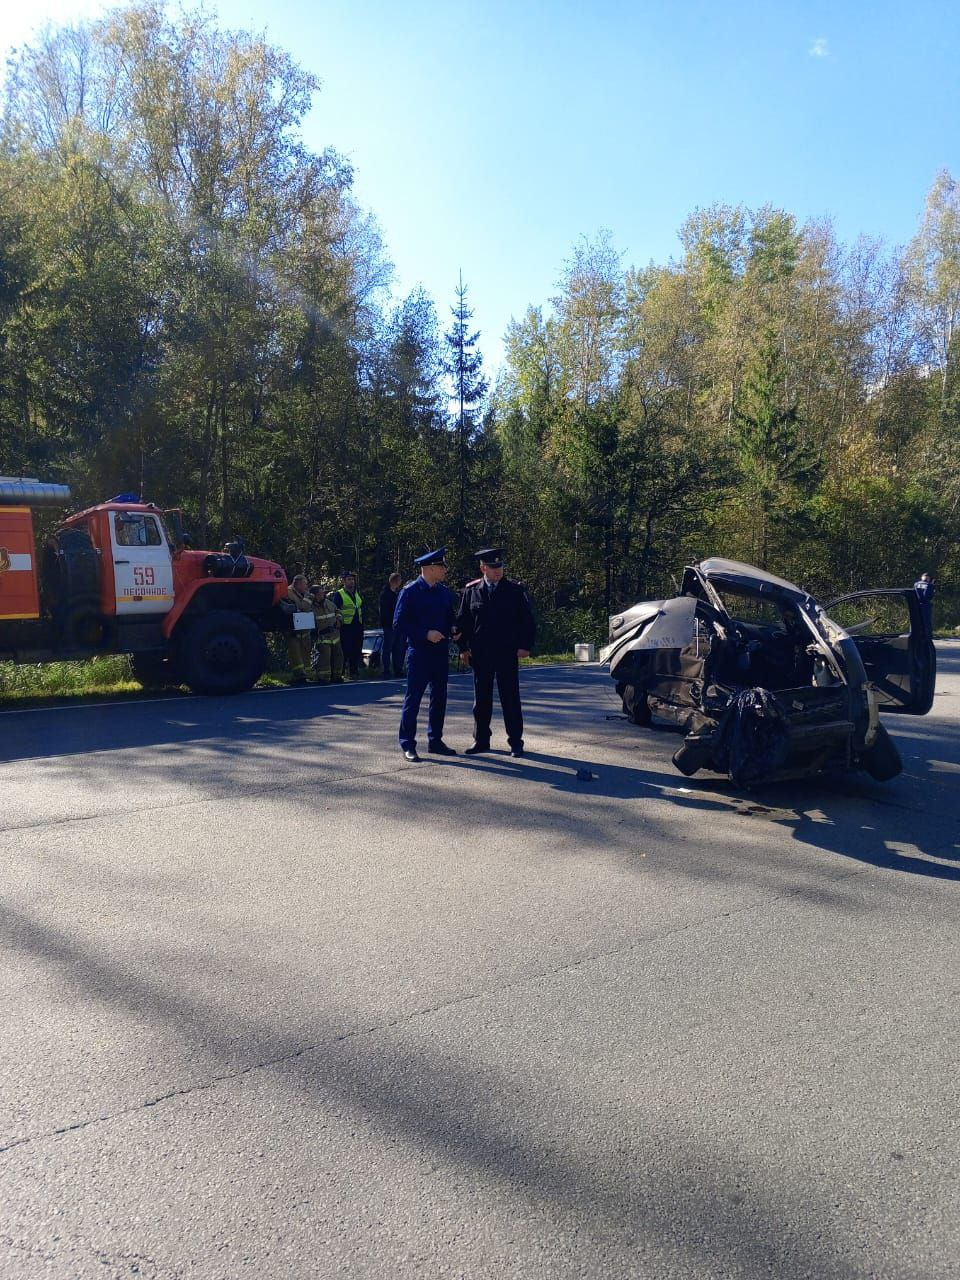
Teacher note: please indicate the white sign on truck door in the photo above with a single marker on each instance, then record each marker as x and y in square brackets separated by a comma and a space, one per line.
[143, 569]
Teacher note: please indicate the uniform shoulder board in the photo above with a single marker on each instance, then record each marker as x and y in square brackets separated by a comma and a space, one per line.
[475, 583]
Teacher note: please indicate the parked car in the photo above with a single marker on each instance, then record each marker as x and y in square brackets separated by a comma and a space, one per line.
[764, 682]
[373, 647]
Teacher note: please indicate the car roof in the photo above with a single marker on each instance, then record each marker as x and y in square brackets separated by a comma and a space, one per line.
[735, 574]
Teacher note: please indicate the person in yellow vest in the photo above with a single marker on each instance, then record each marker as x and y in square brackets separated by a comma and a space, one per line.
[350, 603]
[327, 654]
[299, 643]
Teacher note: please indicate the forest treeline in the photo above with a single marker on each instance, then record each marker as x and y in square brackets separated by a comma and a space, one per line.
[193, 305]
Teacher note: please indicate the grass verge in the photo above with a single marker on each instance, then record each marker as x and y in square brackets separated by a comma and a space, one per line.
[110, 674]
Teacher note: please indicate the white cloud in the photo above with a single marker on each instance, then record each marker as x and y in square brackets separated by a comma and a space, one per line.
[819, 48]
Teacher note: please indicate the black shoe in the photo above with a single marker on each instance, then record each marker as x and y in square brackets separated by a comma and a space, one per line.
[516, 751]
[440, 749]
[412, 756]
[477, 749]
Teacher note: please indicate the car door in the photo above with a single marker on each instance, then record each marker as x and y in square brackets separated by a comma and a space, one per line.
[892, 630]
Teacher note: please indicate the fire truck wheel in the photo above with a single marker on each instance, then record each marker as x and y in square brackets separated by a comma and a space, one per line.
[221, 652]
[85, 628]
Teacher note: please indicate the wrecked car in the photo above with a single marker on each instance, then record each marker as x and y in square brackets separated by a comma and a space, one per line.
[766, 683]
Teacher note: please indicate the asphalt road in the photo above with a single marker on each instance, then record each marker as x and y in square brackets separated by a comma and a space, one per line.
[275, 1003]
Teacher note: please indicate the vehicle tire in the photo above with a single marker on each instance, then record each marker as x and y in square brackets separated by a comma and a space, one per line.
[220, 652]
[882, 760]
[691, 756]
[635, 705]
[153, 670]
[85, 627]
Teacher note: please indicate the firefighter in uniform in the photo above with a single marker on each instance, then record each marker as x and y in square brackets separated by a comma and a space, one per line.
[327, 654]
[299, 643]
[425, 614]
[496, 629]
[350, 603]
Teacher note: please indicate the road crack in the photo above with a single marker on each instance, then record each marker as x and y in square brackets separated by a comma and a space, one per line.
[386, 1024]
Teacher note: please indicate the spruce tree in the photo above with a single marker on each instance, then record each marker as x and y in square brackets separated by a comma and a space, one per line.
[464, 367]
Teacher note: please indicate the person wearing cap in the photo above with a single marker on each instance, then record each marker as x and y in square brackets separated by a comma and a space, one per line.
[350, 603]
[496, 629]
[425, 615]
[925, 587]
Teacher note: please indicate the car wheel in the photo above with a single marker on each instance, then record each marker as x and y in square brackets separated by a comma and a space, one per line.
[691, 756]
[635, 705]
[221, 652]
[882, 760]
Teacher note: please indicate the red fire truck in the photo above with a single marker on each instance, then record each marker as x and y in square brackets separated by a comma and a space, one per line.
[120, 577]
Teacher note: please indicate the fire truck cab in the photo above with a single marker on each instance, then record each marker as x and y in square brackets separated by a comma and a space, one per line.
[120, 577]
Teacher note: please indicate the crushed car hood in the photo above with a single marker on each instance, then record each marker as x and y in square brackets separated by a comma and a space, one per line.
[655, 624]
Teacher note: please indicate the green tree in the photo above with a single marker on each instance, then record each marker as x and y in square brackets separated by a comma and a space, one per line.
[932, 269]
[464, 367]
[780, 470]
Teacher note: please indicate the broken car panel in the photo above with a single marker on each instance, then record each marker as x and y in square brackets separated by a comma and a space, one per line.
[763, 682]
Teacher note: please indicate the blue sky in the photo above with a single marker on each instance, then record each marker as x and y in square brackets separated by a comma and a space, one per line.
[490, 137]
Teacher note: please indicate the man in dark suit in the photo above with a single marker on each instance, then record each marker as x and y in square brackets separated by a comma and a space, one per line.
[496, 629]
[393, 642]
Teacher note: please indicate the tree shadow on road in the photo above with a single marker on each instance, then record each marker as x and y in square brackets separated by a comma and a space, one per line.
[264, 715]
[281, 742]
[660, 1194]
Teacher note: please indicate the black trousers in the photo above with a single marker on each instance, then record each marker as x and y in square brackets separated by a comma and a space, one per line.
[351, 641]
[505, 670]
[393, 650]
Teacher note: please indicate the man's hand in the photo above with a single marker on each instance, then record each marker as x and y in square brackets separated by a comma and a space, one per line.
[435, 636]
[523, 653]
[465, 655]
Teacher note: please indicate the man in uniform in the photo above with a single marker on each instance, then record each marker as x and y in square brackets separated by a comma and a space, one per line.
[925, 587]
[350, 603]
[299, 643]
[496, 629]
[327, 654]
[424, 614]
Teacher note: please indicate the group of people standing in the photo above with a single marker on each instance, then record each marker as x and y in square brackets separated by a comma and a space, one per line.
[491, 622]
[334, 642]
